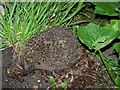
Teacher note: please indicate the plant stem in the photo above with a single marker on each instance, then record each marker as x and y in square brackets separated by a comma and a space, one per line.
[107, 67]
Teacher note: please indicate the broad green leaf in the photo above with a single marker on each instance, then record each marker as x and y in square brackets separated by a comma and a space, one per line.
[88, 34]
[117, 48]
[96, 37]
[109, 33]
[107, 8]
[63, 85]
[100, 40]
[119, 37]
[115, 24]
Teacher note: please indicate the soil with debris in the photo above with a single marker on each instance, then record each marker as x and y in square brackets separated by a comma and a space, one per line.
[57, 53]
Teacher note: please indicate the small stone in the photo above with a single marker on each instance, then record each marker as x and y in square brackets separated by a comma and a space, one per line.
[35, 87]
[38, 81]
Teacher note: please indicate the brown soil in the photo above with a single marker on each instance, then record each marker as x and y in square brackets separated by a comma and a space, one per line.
[57, 53]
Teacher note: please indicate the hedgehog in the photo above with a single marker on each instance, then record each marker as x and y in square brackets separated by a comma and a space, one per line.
[51, 49]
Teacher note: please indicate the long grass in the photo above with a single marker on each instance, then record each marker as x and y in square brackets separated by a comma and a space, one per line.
[23, 20]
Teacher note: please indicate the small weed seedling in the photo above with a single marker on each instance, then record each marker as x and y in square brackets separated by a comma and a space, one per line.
[56, 85]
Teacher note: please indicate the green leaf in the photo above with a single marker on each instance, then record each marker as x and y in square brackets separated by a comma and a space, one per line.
[117, 80]
[51, 79]
[63, 85]
[100, 40]
[118, 37]
[117, 48]
[110, 33]
[96, 37]
[114, 24]
[87, 34]
[107, 8]
[113, 69]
